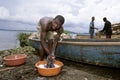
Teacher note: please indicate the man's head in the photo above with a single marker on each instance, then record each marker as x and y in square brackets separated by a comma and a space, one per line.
[104, 19]
[57, 22]
[93, 18]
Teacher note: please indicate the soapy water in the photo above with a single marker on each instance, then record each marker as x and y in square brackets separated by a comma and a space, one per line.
[44, 66]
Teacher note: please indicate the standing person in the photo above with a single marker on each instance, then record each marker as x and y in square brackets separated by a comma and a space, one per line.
[107, 28]
[92, 27]
[50, 31]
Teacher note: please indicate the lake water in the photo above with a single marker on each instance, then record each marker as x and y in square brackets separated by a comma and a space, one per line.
[8, 39]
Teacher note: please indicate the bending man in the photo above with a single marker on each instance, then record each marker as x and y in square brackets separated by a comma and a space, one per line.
[50, 31]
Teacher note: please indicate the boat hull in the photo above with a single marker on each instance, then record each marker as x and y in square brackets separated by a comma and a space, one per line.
[97, 52]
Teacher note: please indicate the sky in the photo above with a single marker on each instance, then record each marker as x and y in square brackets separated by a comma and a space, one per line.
[77, 13]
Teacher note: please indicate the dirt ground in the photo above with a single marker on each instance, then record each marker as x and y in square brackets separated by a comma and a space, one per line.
[70, 71]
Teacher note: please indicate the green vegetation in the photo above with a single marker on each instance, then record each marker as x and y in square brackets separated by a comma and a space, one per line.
[28, 50]
[66, 32]
[23, 38]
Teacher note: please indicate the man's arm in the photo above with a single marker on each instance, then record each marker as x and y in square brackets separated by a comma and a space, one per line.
[43, 41]
[57, 38]
[96, 28]
[104, 28]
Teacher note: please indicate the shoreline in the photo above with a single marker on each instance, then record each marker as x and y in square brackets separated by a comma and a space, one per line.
[70, 71]
[15, 44]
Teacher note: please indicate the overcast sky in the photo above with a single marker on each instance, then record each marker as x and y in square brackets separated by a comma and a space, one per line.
[77, 13]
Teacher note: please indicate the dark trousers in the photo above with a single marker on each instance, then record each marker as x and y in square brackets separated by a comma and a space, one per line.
[92, 35]
[108, 36]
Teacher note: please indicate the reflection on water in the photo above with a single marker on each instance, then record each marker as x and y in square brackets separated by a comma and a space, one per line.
[8, 39]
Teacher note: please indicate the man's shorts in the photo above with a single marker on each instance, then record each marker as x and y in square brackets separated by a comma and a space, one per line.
[50, 34]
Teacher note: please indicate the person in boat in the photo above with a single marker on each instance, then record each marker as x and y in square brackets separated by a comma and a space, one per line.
[92, 27]
[50, 31]
[107, 28]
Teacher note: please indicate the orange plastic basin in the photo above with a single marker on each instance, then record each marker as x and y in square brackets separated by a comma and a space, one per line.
[49, 71]
[14, 60]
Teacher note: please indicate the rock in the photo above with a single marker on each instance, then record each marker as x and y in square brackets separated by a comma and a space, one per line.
[1, 65]
[34, 36]
[115, 30]
[5, 53]
[40, 78]
[65, 36]
[86, 78]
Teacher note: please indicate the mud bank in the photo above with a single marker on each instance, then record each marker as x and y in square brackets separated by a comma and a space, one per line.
[70, 70]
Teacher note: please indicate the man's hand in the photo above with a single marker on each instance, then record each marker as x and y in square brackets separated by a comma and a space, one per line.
[50, 61]
[96, 28]
[52, 56]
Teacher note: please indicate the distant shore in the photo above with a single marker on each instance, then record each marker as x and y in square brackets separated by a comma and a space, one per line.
[18, 30]
[96, 37]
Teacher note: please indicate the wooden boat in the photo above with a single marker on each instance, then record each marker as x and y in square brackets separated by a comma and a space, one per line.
[91, 51]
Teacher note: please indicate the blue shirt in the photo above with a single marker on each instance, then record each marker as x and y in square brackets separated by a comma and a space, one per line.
[91, 28]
